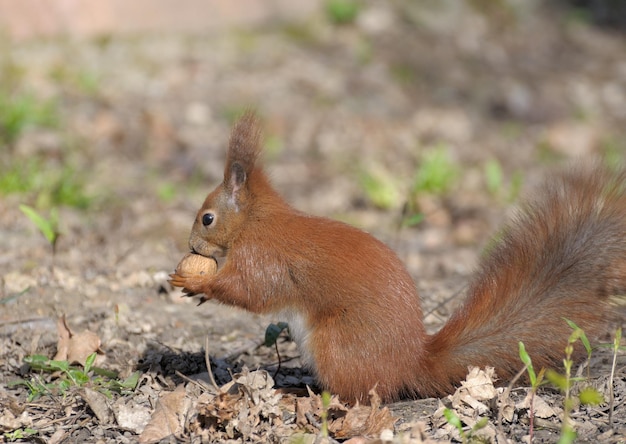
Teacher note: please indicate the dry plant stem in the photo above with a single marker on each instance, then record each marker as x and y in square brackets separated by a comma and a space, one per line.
[548, 425]
[531, 416]
[616, 342]
[507, 391]
[22, 321]
[567, 362]
[279, 360]
[611, 394]
[445, 303]
[314, 422]
[207, 361]
[122, 257]
[202, 386]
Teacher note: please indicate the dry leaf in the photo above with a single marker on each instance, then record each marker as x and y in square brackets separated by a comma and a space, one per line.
[479, 384]
[361, 420]
[506, 405]
[75, 347]
[541, 408]
[414, 432]
[63, 344]
[477, 387]
[167, 417]
[304, 407]
[10, 421]
[82, 345]
[99, 404]
[131, 416]
[344, 421]
[245, 407]
[467, 403]
[57, 437]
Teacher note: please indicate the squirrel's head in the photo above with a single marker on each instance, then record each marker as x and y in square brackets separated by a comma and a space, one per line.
[228, 208]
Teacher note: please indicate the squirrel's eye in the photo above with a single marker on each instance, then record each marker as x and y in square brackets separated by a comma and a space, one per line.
[208, 219]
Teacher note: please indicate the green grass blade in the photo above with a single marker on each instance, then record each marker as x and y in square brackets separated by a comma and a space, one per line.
[44, 225]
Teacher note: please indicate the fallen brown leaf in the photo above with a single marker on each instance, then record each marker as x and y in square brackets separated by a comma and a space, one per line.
[244, 408]
[361, 420]
[63, 343]
[479, 384]
[167, 417]
[344, 421]
[75, 347]
[471, 403]
[130, 415]
[540, 407]
[99, 404]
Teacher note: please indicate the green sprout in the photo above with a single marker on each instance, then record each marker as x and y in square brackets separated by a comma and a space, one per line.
[436, 173]
[342, 12]
[101, 379]
[49, 227]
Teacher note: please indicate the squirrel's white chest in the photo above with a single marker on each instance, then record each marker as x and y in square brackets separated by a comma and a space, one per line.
[300, 332]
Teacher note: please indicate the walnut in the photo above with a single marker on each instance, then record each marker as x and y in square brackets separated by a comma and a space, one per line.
[196, 264]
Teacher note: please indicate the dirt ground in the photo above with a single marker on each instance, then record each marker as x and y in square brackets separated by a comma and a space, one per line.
[126, 135]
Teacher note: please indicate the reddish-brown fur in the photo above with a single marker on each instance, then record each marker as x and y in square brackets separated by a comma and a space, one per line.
[356, 311]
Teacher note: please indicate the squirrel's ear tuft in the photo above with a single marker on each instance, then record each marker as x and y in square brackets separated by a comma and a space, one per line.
[237, 178]
[243, 149]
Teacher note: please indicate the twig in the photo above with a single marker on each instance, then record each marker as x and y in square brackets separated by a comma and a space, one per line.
[314, 422]
[199, 384]
[125, 254]
[616, 343]
[506, 394]
[507, 391]
[531, 416]
[443, 303]
[23, 321]
[207, 361]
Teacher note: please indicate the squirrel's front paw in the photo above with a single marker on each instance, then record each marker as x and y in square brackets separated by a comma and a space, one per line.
[191, 284]
[192, 273]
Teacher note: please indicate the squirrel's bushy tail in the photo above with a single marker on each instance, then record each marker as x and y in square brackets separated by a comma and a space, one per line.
[562, 257]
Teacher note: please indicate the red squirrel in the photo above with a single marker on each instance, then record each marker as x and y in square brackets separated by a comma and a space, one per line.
[354, 310]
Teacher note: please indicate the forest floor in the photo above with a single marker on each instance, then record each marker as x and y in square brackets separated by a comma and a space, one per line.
[116, 140]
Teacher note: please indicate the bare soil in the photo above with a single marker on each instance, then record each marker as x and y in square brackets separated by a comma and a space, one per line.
[142, 125]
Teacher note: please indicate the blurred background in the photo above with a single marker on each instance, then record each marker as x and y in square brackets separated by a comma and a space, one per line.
[420, 121]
